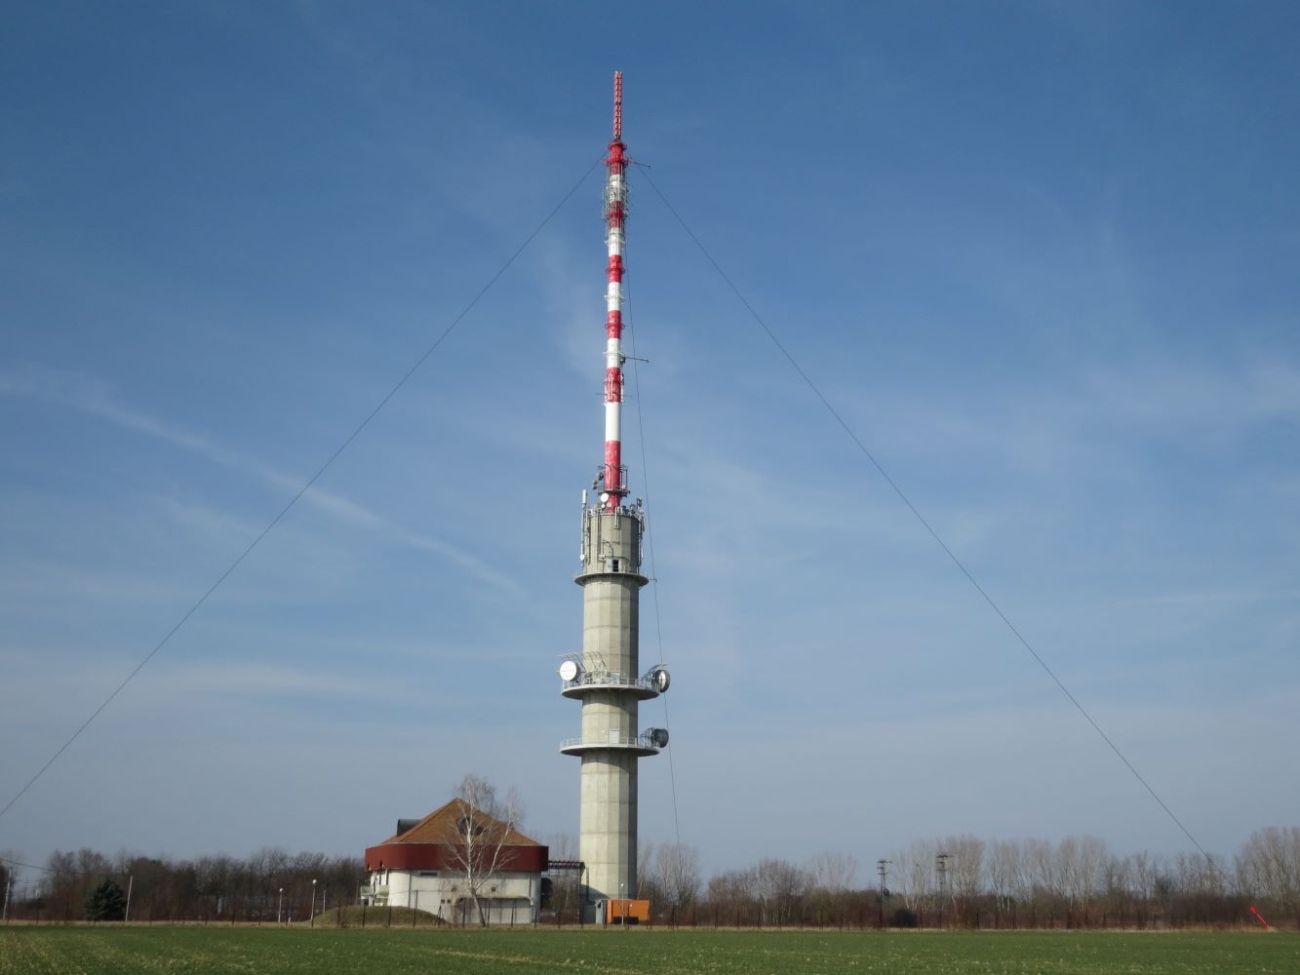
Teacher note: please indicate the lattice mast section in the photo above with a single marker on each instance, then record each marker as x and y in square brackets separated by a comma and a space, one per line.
[613, 476]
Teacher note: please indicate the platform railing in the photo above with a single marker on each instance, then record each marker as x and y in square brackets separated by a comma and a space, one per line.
[614, 741]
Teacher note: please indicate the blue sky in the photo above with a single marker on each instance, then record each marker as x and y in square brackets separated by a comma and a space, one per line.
[1040, 256]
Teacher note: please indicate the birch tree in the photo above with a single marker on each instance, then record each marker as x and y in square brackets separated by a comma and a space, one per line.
[484, 831]
[1007, 879]
[833, 872]
[1269, 865]
[965, 866]
[914, 874]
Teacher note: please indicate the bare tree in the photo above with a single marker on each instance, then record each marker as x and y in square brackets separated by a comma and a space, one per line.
[1148, 871]
[677, 874]
[1093, 857]
[1040, 863]
[1079, 864]
[1269, 865]
[1008, 880]
[485, 830]
[647, 882]
[965, 865]
[1197, 876]
[1116, 885]
[833, 872]
[914, 872]
[1067, 869]
[780, 885]
[69, 877]
[732, 892]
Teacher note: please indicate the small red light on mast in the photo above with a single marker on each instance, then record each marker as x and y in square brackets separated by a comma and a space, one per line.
[616, 194]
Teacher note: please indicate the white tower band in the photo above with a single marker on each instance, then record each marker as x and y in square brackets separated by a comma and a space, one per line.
[606, 675]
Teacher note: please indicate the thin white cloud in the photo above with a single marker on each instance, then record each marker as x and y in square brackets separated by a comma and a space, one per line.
[191, 687]
[28, 582]
[1196, 399]
[259, 680]
[94, 398]
[1199, 597]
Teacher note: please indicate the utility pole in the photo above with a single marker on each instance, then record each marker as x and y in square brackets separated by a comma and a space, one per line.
[941, 865]
[882, 868]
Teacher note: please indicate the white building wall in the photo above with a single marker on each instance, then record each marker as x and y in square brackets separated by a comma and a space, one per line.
[516, 898]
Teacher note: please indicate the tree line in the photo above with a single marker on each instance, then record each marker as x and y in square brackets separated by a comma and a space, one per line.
[964, 881]
[955, 881]
[268, 885]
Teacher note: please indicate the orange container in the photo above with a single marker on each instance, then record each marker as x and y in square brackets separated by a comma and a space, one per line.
[627, 911]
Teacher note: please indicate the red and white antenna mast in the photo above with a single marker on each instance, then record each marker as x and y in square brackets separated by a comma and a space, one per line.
[612, 474]
[612, 741]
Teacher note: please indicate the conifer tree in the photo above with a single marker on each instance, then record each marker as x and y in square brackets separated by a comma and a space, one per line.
[106, 902]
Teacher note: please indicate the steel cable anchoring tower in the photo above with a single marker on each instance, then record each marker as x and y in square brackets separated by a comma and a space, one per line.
[606, 676]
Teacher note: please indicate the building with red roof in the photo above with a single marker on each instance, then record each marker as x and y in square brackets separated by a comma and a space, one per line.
[461, 864]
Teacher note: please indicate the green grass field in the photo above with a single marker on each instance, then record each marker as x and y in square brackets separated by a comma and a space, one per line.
[28, 950]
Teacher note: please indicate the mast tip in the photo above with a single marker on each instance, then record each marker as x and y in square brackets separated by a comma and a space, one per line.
[618, 105]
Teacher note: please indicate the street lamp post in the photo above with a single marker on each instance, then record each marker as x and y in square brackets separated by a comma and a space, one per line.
[279, 908]
[313, 904]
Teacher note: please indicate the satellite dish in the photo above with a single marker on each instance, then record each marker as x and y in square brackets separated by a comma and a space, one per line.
[569, 671]
[659, 736]
[662, 680]
[604, 496]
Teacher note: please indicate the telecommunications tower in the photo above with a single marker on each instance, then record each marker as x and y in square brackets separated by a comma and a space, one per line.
[606, 675]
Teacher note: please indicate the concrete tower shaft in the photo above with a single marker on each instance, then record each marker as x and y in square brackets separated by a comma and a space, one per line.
[611, 580]
[606, 676]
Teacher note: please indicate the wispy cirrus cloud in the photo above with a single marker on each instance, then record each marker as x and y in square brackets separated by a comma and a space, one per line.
[93, 397]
